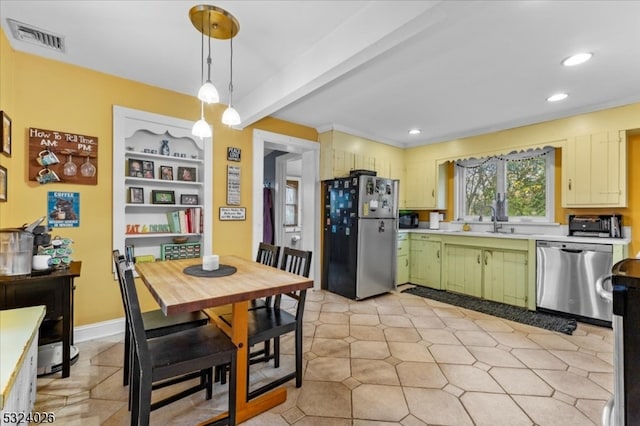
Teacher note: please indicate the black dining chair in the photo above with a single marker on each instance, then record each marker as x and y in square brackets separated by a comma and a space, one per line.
[268, 254]
[165, 360]
[272, 322]
[156, 323]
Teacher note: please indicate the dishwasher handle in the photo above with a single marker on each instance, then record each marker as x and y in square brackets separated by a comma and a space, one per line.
[602, 292]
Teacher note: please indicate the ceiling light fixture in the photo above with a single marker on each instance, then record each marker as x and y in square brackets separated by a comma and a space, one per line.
[415, 131]
[577, 59]
[557, 97]
[221, 25]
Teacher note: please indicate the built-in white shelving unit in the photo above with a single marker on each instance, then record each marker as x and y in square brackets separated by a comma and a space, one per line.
[138, 141]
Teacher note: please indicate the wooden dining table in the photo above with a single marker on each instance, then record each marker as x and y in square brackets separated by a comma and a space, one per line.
[175, 291]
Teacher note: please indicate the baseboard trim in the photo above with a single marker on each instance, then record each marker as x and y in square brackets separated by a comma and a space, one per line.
[98, 330]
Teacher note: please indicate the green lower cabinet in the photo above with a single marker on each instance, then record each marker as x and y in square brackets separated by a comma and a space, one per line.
[505, 276]
[464, 270]
[425, 261]
[402, 259]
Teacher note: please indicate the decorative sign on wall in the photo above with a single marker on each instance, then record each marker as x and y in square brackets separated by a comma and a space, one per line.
[232, 213]
[63, 209]
[56, 156]
[233, 154]
[233, 185]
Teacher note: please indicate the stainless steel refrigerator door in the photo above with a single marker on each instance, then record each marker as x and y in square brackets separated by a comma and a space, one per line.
[377, 197]
[376, 257]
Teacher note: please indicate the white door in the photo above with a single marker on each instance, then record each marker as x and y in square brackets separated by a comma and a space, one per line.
[288, 229]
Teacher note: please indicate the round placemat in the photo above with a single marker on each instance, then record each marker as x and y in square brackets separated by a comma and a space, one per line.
[222, 271]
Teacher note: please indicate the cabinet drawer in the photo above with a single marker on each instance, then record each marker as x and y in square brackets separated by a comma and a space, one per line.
[425, 237]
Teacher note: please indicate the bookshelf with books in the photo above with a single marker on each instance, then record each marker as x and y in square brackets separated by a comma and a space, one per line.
[162, 182]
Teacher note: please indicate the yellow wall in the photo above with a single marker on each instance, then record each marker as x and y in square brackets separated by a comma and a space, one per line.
[38, 92]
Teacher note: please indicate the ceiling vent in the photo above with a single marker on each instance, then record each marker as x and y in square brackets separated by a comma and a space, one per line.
[30, 34]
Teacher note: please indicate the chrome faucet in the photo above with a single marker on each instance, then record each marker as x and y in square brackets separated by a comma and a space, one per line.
[494, 217]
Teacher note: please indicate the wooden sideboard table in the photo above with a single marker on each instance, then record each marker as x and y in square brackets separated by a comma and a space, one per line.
[55, 291]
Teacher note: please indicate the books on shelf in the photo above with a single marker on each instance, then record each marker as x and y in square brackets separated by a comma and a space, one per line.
[187, 221]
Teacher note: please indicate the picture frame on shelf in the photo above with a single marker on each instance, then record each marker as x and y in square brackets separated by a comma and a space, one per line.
[166, 172]
[148, 170]
[187, 174]
[5, 134]
[189, 199]
[163, 197]
[3, 184]
[135, 167]
[136, 195]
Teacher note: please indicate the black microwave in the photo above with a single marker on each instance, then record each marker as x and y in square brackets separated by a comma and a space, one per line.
[408, 220]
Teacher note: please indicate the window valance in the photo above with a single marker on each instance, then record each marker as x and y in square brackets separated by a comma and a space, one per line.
[509, 157]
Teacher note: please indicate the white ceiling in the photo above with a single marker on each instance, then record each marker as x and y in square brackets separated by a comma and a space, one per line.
[370, 68]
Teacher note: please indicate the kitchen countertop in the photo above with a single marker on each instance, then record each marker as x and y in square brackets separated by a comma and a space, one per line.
[520, 236]
[20, 327]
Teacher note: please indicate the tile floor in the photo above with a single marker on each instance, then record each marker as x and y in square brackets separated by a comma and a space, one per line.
[396, 359]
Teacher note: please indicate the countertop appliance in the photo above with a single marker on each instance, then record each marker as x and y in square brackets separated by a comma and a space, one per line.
[566, 275]
[604, 226]
[360, 228]
[407, 220]
[624, 406]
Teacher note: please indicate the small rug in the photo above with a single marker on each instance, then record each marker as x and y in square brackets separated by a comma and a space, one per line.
[513, 313]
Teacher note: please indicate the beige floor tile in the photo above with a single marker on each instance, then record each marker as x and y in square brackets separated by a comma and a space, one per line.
[396, 320]
[369, 350]
[460, 323]
[488, 409]
[494, 357]
[553, 341]
[514, 340]
[550, 412]
[421, 375]
[391, 310]
[406, 351]
[439, 336]
[411, 420]
[603, 379]
[366, 332]
[420, 311]
[325, 399]
[469, 378]
[333, 318]
[427, 322]
[451, 354]
[111, 357]
[332, 331]
[448, 312]
[89, 412]
[493, 325]
[374, 372]
[330, 347]
[393, 334]
[328, 369]
[475, 338]
[368, 405]
[335, 307]
[520, 381]
[537, 358]
[364, 319]
[583, 361]
[324, 421]
[363, 308]
[592, 408]
[571, 384]
[436, 407]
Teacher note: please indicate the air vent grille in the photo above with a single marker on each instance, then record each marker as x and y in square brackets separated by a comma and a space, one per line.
[30, 34]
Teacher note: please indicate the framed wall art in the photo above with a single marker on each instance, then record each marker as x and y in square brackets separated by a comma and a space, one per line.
[136, 195]
[3, 184]
[163, 197]
[187, 174]
[5, 134]
[189, 199]
[166, 172]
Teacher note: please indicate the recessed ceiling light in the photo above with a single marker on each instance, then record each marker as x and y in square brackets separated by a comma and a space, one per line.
[577, 59]
[415, 131]
[557, 97]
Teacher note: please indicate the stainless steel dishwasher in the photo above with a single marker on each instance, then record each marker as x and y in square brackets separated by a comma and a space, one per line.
[566, 275]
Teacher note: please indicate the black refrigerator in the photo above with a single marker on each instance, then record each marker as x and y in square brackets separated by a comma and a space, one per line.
[624, 406]
[360, 227]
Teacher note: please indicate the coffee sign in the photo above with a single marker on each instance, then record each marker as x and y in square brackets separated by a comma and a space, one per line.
[63, 157]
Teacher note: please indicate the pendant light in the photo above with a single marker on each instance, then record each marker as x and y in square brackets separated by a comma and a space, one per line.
[230, 117]
[221, 25]
[201, 128]
[208, 92]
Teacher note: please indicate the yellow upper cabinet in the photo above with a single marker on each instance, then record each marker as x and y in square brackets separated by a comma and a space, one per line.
[594, 170]
[424, 184]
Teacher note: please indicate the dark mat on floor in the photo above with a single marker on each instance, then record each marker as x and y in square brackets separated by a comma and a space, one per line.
[513, 313]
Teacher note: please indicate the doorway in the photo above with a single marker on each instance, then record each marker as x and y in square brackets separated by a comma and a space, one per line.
[308, 154]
